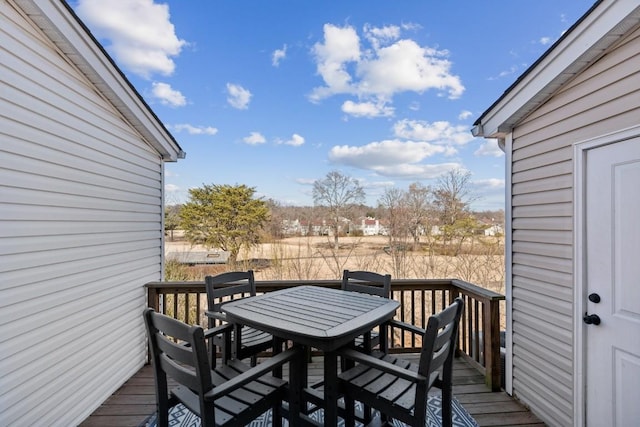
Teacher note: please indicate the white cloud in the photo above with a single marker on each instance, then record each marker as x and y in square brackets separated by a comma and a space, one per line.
[406, 66]
[383, 155]
[491, 183]
[391, 65]
[305, 181]
[545, 41]
[489, 194]
[417, 171]
[195, 130]
[376, 184]
[381, 35]
[506, 73]
[171, 188]
[239, 97]
[255, 138]
[489, 148]
[167, 95]
[464, 115]
[367, 109]
[440, 132]
[341, 46]
[296, 140]
[416, 152]
[278, 55]
[141, 35]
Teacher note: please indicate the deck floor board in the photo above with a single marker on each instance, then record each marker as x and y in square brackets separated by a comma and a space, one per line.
[135, 400]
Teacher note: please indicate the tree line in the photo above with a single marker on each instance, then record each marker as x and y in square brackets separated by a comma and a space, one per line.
[231, 217]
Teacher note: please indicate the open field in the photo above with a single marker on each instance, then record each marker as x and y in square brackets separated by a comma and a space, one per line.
[481, 261]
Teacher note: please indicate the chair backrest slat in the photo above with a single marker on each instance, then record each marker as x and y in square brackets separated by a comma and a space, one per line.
[228, 286]
[367, 282]
[176, 351]
[179, 372]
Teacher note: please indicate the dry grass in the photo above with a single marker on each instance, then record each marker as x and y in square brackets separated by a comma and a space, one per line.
[300, 258]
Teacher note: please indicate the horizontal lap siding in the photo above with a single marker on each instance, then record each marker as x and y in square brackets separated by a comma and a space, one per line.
[80, 233]
[602, 99]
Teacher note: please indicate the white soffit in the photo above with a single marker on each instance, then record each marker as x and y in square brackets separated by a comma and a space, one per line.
[56, 19]
[603, 26]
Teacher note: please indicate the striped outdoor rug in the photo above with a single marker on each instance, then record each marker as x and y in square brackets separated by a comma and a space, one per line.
[179, 416]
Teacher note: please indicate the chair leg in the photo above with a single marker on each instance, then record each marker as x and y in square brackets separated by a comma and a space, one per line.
[163, 418]
[350, 408]
[447, 414]
[276, 415]
[367, 414]
[163, 402]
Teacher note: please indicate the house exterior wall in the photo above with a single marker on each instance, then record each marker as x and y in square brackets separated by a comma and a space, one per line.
[80, 233]
[602, 99]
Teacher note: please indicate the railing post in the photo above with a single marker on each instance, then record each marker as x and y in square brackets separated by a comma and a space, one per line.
[491, 331]
[153, 298]
[153, 301]
[453, 294]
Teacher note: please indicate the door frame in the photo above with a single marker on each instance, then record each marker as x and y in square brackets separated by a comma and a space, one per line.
[580, 150]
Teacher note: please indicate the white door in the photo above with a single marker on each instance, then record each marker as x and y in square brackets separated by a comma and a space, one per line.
[612, 351]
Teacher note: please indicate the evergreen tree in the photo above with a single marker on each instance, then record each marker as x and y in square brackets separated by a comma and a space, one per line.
[224, 216]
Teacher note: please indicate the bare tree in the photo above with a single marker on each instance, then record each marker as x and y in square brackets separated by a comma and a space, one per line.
[394, 202]
[452, 201]
[452, 195]
[337, 192]
[171, 219]
[418, 203]
[277, 217]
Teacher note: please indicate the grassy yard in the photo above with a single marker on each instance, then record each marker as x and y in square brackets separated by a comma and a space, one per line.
[480, 261]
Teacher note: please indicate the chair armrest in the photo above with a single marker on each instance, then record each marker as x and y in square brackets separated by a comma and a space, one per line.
[256, 372]
[218, 330]
[406, 327]
[216, 315]
[382, 365]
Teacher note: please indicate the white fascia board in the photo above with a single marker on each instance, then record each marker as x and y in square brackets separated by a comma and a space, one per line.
[583, 45]
[54, 18]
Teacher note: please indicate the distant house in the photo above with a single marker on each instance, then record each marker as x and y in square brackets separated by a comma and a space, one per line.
[570, 128]
[370, 226]
[314, 228]
[292, 227]
[494, 230]
[81, 217]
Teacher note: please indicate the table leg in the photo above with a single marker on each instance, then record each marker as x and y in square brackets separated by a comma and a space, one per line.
[297, 380]
[331, 388]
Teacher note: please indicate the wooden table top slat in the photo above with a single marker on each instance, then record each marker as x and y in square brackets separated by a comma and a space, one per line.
[329, 318]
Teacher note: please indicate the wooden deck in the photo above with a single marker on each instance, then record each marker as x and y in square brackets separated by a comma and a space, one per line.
[135, 400]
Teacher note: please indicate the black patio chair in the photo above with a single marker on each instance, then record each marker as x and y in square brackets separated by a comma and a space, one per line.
[372, 283]
[397, 388]
[230, 395]
[231, 286]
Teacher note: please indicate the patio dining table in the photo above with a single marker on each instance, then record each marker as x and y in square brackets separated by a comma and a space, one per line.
[317, 317]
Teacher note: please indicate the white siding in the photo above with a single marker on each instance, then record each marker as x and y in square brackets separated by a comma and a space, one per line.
[80, 234]
[602, 99]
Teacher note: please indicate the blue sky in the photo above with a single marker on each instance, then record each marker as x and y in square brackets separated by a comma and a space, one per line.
[276, 94]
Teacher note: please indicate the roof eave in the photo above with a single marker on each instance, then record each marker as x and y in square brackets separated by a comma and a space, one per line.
[598, 29]
[59, 22]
